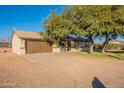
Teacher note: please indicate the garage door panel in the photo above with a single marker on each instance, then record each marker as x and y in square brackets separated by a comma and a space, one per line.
[38, 46]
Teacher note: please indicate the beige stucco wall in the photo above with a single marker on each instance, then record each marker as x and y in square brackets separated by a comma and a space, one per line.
[55, 48]
[76, 50]
[22, 47]
[18, 45]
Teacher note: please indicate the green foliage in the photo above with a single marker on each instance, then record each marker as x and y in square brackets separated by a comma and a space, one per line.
[89, 21]
[113, 27]
[58, 27]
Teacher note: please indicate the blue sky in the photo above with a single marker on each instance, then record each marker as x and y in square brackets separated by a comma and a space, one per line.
[29, 18]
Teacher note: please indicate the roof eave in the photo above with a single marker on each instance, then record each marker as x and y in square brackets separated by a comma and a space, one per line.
[32, 38]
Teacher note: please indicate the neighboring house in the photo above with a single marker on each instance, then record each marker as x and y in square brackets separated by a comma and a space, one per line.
[75, 43]
[115, 44]
[32, 42]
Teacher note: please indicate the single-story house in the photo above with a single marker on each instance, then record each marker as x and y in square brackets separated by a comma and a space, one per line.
[115, 45]
[24, 42]
[28, 42]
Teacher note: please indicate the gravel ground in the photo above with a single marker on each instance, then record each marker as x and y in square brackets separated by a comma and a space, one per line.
[59, 70]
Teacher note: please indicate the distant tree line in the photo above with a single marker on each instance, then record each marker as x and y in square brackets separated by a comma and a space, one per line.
[5, 41]
[89, 21]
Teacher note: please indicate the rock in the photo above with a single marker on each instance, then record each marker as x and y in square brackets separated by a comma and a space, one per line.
[4, 51]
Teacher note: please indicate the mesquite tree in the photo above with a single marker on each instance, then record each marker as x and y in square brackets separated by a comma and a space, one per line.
[58, 28]
[88, 21]
[113, 27]
[97, 21]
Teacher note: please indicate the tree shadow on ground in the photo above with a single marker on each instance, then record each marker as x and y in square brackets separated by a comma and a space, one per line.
[96, 83]
[114, 56]
[117, 51]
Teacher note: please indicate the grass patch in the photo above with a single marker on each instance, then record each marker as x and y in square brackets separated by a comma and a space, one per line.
[97, 55]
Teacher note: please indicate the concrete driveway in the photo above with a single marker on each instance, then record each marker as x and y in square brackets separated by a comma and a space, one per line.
[47, 57]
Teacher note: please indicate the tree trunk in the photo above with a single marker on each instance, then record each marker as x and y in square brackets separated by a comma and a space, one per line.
[78, 43]
[68, 45]
[91, 45]
[91, 48]
[104, 47]
[105, 43]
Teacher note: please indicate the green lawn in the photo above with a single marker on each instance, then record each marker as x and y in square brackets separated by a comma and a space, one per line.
[119, 56]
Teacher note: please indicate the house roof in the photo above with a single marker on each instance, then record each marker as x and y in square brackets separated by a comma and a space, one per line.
[117, 41]
[28, 35]
[76, 38]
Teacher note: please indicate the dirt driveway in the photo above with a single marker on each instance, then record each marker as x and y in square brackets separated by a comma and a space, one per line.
[59, 70]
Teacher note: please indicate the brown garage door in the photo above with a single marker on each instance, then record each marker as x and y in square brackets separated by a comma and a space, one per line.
[35, 46]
